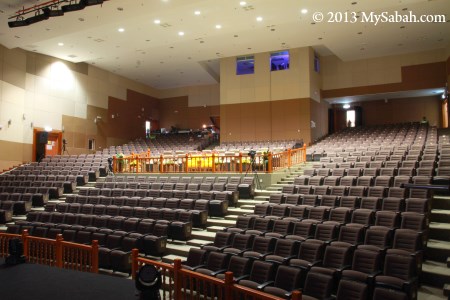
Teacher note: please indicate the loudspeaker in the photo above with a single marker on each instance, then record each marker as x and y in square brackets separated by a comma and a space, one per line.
[43, 137]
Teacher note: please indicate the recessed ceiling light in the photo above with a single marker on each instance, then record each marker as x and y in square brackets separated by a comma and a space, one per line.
[197, 12]
[242, 3]
[60, 44]
[121, 30]
[259, 19]
[157, 21]
[218, 26]
[181, 33]
[304, 11]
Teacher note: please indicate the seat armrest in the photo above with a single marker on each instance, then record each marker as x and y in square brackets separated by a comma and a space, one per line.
[197, 267]
[218, 272]
[242, 277]
[346, 267]
[264, 255]
[288, 258]
[207, 244]
[263, 285]
[223, 248]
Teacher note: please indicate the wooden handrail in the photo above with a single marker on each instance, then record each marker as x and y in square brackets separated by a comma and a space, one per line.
[182, 285]
[53, 252]
[208, 163]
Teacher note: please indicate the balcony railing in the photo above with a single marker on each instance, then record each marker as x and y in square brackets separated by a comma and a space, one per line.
[57, 253]
[208, 163]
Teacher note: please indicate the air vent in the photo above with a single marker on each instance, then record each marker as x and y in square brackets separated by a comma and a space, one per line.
[165, 25]
[72, 56]
[248, 7]
[99, 40]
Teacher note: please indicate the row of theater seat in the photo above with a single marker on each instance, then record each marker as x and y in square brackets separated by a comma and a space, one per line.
[208, 192]
[217, 206]
[142, 209]
[335, 261]
[351, 230]
[180, 222]
[375, 202]
[151, 234]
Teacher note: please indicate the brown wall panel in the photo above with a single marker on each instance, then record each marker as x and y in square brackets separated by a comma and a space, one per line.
[269, 120]
[424, 76]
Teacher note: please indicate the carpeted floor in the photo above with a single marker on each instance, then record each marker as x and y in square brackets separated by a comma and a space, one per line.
[38, 282]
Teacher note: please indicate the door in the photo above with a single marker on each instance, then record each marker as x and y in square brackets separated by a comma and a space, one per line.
[46, 144]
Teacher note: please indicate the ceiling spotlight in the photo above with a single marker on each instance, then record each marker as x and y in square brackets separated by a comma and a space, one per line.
[259, 19]
[197, 12]
[121, 30]
[304, 11]
[242, 3]
[60, 44]
[346, 106]
[181, 33]
[157, 21]
[218, 26]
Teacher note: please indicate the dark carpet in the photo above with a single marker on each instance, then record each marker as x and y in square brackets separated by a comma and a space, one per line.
[38, 282]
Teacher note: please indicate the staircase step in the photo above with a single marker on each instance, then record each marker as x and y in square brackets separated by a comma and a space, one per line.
[220, 222]
[440, 215]
[274, 188]
[203, 235]
[196, 242]
[179, 249]
[435, 273]
[239, 211]
[231, 217]
[264, 193]
[438, 250]
[215, 228]
[251, 202]
[441, 202]
[440, 231]
[168, 259]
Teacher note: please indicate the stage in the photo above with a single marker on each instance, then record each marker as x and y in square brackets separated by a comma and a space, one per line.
[39, 282]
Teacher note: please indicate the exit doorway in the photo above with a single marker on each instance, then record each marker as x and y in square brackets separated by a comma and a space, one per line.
[46, 144]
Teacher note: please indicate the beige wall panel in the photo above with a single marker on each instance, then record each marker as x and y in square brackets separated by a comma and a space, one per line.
[15, 57]
[13, 75]
[380, 70]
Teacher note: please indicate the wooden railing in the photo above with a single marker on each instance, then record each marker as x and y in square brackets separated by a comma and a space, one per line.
[181, 284]
[57, 253]
[209, 163]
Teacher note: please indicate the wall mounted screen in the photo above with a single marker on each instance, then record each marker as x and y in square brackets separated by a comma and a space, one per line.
[245, 65]
[279, 61]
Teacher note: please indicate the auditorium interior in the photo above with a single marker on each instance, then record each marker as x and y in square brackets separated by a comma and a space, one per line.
[225, 149]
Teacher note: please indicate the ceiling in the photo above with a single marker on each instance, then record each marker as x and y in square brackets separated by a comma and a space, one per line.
[156, 55]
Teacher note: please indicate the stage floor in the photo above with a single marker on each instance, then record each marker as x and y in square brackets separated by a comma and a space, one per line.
[39, 282]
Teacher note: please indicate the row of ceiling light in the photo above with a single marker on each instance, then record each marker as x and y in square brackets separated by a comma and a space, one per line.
[44, 11]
